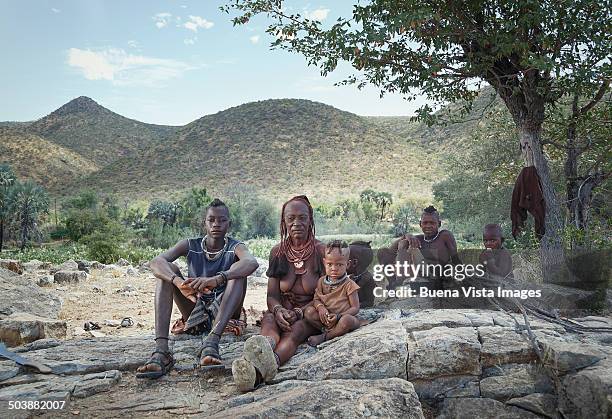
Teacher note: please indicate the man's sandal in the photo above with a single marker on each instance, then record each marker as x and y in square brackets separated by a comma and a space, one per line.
[165, 367]
[211, 350]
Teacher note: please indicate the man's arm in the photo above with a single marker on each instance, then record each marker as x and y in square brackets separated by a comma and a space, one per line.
[162, 266]
[245, 266]
[451, 245]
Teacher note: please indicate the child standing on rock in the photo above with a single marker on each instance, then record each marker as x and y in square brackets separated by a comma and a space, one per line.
[336, 300]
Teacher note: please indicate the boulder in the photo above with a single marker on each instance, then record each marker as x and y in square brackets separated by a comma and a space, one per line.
[83, 265]
[45, 280]
[69, 265]
[20, 328]
[70, 277]
[260, 272]
[123, 262]
[427, 319]
[18, 294]
[391, 397]
[567, 356]
[504, 346]
[481, 408]
[372, 352]
[538, 403]
[443, 351]
[130, 271]
[12, 265]
[97, 265]
[443, 387]
[61, 388]
[36, 265]
[516, 380]
[588, 393]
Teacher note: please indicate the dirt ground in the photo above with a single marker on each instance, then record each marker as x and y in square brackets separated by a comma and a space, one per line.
[109, 295]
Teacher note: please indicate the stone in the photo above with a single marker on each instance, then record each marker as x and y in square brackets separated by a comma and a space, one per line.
[20, 328]
[123, 262]
[69, 265]
[97, 265]
[567, 356]
[130, 271]
[18, 294]
[260, 272]
[36, 265]
[83, 265]
[481, 408]
[8, 369]
[12, 265]
[70, 277]
[443, 351]
[390, 397]
[56, 387]
[45, 281]
[538, 403]
[516, 380]
[588, 393]
[91, 355]
[444, 387]
[427, 319]
[374, 351]
[504, 346]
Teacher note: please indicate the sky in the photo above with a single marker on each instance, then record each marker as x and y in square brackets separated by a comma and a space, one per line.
[161, 61]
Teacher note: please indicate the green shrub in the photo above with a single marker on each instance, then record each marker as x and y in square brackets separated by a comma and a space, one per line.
[105, 244]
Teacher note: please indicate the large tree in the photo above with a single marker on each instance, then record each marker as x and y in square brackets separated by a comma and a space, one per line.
[531, 52]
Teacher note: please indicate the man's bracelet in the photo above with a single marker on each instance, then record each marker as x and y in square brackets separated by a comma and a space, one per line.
[224, 276]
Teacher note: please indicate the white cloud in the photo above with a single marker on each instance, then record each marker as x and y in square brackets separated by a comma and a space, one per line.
[318, 14]
[54, 10]
[183, 6]
[254, 39]
[162, 19]
[196, 22]
[133, 43]
[190, 41]
[122, 68]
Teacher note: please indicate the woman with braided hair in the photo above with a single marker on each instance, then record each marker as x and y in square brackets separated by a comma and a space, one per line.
[296, 264]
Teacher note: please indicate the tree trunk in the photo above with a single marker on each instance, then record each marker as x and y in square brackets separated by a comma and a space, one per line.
[1, 234]
[551, 246]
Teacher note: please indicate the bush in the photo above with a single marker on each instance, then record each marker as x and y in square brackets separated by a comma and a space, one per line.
[105, 244]
[80, 223]
[158, 236]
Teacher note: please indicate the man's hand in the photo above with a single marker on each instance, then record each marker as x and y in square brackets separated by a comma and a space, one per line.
[202, 284]
[408, 241]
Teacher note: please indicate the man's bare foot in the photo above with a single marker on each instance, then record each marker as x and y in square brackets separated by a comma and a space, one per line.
[316, 340]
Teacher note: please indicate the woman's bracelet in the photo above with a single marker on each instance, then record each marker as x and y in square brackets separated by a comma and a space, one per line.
[317, 306]
[276, 308]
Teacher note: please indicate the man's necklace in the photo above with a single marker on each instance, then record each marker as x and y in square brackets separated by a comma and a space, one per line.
[213, 255]
[431, 240]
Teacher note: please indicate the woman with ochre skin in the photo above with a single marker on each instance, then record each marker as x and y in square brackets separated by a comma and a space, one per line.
[296, 264]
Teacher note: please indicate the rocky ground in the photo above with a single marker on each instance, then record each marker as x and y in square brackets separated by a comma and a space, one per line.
[407, 363]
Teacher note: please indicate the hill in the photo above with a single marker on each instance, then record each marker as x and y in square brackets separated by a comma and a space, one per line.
[279, 148]
[43, 161]
[96, 133]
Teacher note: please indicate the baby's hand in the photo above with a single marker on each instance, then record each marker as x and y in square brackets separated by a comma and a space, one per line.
[331, 319]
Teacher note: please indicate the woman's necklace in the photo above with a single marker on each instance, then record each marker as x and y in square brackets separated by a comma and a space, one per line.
[431, 240]
[297, 257]
[211, 256]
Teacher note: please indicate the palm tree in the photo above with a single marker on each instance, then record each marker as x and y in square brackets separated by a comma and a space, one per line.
[7, 178]
[28, 202]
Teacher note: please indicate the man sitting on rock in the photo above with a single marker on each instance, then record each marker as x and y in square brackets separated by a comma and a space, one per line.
[433, 248]
[212, 294]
